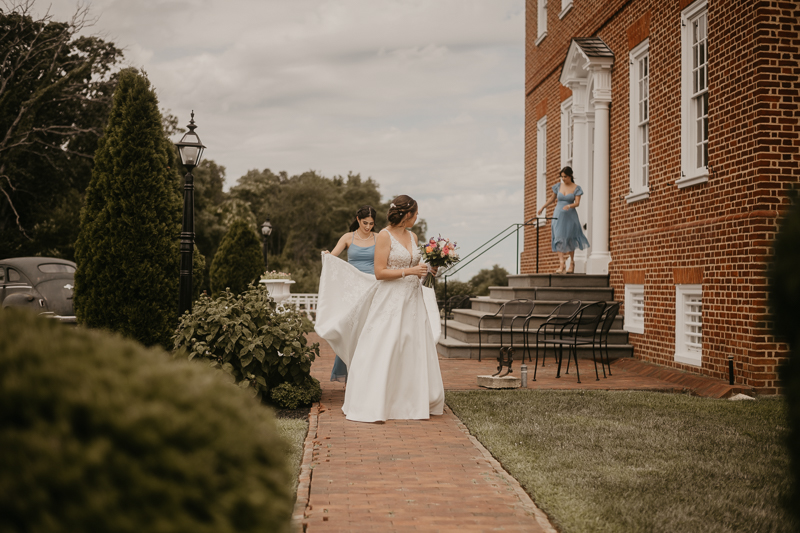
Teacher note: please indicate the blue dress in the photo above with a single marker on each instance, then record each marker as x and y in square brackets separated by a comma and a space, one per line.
[363, 258]
[566, 231]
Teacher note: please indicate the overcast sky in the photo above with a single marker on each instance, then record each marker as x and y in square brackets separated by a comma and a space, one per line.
[426, 97]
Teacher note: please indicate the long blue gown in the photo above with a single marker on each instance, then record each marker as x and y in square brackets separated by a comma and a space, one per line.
[567, 234]
[363, 258]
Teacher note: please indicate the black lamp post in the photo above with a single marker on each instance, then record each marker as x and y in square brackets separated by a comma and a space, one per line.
[266, 230]
[191, 150]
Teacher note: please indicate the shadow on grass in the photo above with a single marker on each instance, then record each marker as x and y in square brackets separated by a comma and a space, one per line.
[639, 461]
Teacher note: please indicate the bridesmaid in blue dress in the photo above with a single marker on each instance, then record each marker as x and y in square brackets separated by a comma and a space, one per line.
[360, 246]
[566, 231]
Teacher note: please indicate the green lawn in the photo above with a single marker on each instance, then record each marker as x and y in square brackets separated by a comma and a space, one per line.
[294, 432]
[638, 461]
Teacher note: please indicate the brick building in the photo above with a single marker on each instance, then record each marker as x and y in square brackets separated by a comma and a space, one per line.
[680, 120]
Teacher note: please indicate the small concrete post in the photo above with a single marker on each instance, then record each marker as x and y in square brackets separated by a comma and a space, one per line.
[523, 375]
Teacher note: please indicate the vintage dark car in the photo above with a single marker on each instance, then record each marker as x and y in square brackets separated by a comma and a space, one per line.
[42, 284]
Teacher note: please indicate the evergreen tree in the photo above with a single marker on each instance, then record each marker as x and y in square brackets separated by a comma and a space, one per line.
[784, 300]
[238, 261]
[127, 248]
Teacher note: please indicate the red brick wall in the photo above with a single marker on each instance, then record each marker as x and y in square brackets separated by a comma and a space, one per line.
[720, 231]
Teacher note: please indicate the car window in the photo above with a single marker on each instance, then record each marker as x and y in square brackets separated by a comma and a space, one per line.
[2, 274]
[13, 275]
[56, 267]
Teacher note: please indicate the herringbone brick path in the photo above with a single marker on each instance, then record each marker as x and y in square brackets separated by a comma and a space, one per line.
[431, 475]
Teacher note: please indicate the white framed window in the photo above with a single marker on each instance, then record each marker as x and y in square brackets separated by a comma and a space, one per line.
[567, 133]
[566, 7]
[541, 162]
[640, 122]
[694, 94]
[541, 21]
[689, 324]
[634, 308]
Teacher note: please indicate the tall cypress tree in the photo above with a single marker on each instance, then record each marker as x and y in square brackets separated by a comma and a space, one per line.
[127, 249]
[238, 261]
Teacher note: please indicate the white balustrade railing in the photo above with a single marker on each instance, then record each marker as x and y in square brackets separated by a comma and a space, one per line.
[306, 302]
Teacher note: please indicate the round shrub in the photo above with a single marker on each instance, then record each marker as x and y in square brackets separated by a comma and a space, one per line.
[291, 396]
[99, 433]
[238, 261]
[244, 335]
[784, 301]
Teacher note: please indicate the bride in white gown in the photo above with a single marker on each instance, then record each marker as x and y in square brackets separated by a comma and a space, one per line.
[384, 328]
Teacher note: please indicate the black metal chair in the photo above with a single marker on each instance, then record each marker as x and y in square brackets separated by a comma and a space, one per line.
[509, 312]
[581, 330]
[551, 326]
[602, 334]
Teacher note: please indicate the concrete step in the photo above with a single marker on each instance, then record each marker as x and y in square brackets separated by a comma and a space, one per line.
[469, 333]
[588, 294]
[557, 280]
[472, 316]
[451, 348]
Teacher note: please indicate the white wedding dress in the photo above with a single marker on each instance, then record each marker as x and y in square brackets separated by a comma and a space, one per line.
[386, 333]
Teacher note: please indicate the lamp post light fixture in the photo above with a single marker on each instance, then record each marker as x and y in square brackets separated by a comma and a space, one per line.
[266, 230]
[191, 150]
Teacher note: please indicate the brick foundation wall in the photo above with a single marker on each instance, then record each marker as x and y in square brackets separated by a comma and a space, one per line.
[723, 228]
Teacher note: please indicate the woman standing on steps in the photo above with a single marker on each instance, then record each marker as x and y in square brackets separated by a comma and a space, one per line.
[566, 232]
[385, 330]
[360, 245]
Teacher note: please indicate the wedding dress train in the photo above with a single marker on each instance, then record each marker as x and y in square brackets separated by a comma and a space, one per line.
[386, 333]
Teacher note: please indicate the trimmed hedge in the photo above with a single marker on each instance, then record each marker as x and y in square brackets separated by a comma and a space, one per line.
[238, 261]
[127, 249]
[243, 335]
[784, 299]
[291, 396]
[99, 433]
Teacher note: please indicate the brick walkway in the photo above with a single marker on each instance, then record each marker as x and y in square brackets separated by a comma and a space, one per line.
[432, 475]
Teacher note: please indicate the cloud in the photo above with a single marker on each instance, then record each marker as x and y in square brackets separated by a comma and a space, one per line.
[426, 97]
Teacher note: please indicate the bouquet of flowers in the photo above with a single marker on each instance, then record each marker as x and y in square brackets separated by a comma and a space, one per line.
[276, 275]
[438, 252]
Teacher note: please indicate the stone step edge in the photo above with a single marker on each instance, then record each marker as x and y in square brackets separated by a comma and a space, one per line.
[454, 343]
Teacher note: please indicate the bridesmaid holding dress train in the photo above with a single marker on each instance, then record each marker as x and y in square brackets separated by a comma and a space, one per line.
[360, 245]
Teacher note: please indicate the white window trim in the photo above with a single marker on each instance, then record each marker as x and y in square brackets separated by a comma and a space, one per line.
[633, 324]
[683, 353]
[566, 7]
[541, 164]
[638, 192]
[541, 21]
[689, 175]
[567, 133]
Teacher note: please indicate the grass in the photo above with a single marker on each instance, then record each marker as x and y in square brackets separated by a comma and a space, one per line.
[601, 461]
[294, 432]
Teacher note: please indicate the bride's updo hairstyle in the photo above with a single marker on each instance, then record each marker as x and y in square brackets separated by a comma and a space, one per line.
[365, 211]
[399, 208]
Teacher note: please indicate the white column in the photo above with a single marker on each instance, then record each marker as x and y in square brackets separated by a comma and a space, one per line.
[580, 160]
[600, 257]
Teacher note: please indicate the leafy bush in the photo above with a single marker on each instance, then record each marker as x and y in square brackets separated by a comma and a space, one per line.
[127, 249]
[454, 288]
[496, 276]
[785, 303]
[102, 434]
[291, 396]
[238, 261]
[246, 337]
